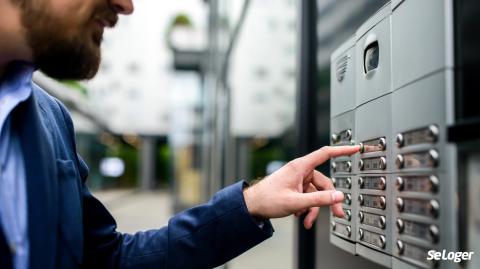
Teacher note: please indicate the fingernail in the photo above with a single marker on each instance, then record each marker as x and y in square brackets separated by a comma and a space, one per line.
[337, 196]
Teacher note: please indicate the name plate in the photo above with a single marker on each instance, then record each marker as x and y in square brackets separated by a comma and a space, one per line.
[374, 145]
[419, 136]
[428, 232]
[342, 166]
[418, 206]
[372, 183]
[342, 230]
[373, 220]
[373, 201]
[427, 159]
[416, 253]
[427, 183]
[375, 163]
[342, 137]
[371, 238]
[342, 182]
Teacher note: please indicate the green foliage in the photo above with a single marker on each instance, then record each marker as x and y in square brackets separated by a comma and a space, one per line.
[75, 85]
[262, 156]
[181, 20]
[163, 162]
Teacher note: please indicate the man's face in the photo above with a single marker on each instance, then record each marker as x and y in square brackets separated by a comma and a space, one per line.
[65, 35]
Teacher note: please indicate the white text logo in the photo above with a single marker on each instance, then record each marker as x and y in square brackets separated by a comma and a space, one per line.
[449, 256]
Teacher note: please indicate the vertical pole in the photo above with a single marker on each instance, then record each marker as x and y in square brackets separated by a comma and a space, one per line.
[306, 138]
[147, 165]
[243, 159]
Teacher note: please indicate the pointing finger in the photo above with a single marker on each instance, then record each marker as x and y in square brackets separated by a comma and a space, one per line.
[323, 154]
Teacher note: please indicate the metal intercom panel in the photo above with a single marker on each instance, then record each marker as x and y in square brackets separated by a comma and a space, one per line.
[392, 93]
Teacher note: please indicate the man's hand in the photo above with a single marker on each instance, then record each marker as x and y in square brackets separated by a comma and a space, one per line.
[297, 188]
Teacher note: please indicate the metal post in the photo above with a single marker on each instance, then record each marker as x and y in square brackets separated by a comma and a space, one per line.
[147, 165]
[305, 115]
[243, 159]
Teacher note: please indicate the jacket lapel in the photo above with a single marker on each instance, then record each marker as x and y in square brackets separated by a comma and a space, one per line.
[42, 192]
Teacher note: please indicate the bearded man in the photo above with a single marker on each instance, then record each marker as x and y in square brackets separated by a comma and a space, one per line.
[49, 218]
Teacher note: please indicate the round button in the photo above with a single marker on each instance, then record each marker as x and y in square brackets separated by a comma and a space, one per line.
[433, 183]
[360, 199]
[383, 163]
[334, 182]
[360, 234]
[433, 155]
[334, 167]
[382, 143]
[399, 183]
[400, 225]
[348, 214]
[334, 226]
[399, 161]
[399, 203]
[334, 138]
[434, 233]
[383, 241]
[348, 199]
[399, 140]
[349, 231]
[349, 134]
[349, 166]
[382, 222]
[400, 247]
[360, 216]
[360, 182]
[382, 183]
[433, 132]
[383, 202]
[360, 165]
[434, 208]
[348, 183]
[362, 147]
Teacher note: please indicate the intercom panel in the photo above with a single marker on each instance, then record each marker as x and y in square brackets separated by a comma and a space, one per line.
[401, 188]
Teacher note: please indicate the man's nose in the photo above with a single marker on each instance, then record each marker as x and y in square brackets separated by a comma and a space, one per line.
[124, 7]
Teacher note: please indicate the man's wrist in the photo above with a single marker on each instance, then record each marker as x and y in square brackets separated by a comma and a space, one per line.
[249, 195]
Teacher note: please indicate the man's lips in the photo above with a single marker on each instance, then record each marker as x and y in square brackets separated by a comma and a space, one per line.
[104, 23]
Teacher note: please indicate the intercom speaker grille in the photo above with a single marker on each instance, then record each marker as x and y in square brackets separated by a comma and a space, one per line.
[342, 64]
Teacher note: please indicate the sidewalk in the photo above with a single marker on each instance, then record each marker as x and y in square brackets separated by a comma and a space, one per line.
[138, 211]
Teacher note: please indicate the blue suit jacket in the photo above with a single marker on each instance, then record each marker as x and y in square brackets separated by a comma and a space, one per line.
[69, 228]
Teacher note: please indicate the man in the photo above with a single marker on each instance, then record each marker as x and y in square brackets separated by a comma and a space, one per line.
[48, 217]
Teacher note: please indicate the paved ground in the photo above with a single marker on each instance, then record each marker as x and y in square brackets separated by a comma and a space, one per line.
[135, 211]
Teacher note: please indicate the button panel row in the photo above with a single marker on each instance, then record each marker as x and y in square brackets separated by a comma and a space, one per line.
[373, 190]
[416, 202]
[341, 171]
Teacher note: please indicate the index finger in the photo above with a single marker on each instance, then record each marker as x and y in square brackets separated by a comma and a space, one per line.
[323, 154]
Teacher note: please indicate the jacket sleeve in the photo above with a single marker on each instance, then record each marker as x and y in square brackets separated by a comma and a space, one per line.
[202, 237]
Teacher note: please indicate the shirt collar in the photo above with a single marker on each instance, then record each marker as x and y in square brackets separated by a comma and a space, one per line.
[15, 87]
[17, 79]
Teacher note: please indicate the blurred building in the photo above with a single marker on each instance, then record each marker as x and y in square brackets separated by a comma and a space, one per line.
[263, 70]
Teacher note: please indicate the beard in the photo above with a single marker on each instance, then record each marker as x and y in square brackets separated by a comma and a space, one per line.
[60, 49]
